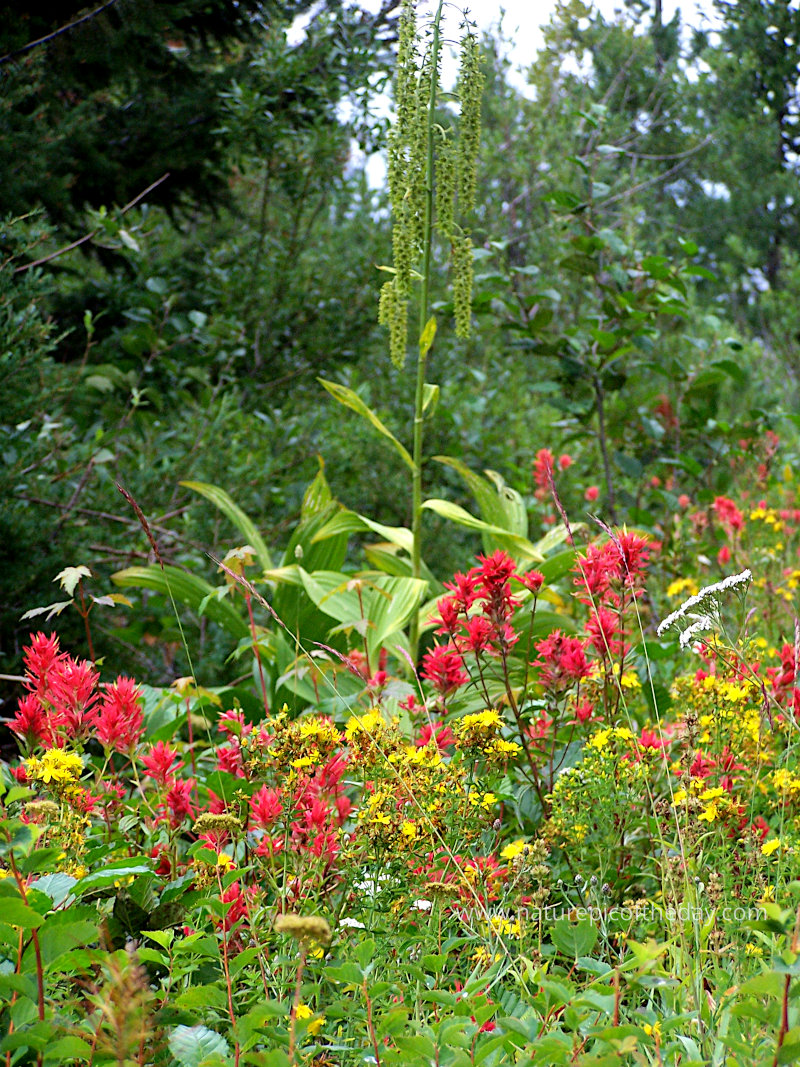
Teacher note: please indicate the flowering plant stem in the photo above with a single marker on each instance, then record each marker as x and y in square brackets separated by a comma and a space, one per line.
[424, 300]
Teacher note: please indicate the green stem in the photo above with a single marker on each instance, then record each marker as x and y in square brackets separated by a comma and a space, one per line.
[424, 300]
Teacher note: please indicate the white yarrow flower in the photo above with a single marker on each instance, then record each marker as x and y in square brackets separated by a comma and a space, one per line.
[707, 596]
[701, 624]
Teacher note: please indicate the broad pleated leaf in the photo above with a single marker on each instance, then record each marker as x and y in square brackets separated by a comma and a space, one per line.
[186, 589]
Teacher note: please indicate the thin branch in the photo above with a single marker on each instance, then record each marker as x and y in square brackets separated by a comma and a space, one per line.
[56, 33]
[646, 184]
[109, 517]
[89, 236]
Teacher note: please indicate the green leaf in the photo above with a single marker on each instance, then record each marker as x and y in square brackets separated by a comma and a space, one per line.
[191, 1045]
[202, 996]
[378, 606]
[769, 984]
[348, 522]
[40, 860]
[498, 504]
[428, 334]
[50, 609]
[186, 589]
[430, 397]
[118, 871]
[67, 1049]
[352, 400]
[18, 914]
[220, 499]
[70, 576]
[520, 547]
[57, 886]
[65, 930]
[574, 939]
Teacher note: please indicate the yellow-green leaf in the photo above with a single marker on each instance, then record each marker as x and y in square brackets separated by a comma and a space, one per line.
[428, 334]
[518, 546]
[220, 499]
[352, 400]
[186, 589]
[70, 577]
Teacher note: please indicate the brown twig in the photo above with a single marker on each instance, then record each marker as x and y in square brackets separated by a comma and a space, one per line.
[109, 517]
[56, 33]
[89, 236]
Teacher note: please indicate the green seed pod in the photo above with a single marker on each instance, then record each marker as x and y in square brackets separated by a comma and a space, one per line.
[445, 184]
[393, 313]
[404, 251]
[462, 284]
[470, 91]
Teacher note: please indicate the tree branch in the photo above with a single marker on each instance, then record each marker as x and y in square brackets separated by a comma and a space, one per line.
[56, 33]
[89, 236]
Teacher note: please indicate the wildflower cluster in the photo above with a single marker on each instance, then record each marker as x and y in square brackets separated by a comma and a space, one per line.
[65, 702]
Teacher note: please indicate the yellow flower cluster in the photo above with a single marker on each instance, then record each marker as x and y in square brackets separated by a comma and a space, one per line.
[500, 926]
[708, 804]
[56, 767]
[298, 744]
[729, 713]
[683, 587]
[604, 739]
[371, 738]
[786, 783]
[479, 733]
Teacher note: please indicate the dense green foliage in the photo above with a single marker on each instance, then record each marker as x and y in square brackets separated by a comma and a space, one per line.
[493, 790]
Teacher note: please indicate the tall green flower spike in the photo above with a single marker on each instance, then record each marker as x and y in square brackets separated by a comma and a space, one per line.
[432, 175]
[431, 172]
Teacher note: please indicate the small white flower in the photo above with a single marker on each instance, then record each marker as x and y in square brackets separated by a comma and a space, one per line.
[701, 623]
[706, 593]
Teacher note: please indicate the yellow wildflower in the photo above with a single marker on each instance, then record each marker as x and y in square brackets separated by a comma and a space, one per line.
[512, 850]
[56, 765]
[709, 814]
[712, 794]
[600, 740]
[683, 586]
[369, 724]
[482, 721]
[771, 846]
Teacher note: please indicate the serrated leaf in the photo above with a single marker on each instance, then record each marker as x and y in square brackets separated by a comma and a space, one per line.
[51, 609]
[191, 1045]
[352, 400]
[70, 576]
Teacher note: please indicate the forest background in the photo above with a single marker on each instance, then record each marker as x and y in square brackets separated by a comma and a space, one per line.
[190, 240]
